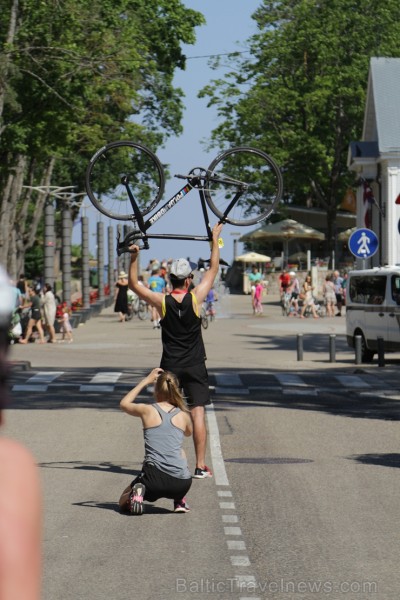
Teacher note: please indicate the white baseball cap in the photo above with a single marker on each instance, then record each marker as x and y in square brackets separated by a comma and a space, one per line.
[182, 268]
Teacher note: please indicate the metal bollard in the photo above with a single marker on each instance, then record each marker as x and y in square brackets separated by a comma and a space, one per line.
[332, 348]
[299, 346]
[381, 352]
[358, 342]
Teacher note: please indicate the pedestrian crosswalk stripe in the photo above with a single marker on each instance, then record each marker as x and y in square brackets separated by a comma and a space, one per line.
[352, 381]
[38, 382]
[106, 377]
[25, 387]
[45, 376]
[231, 379]
[289, 379]
[96, 388]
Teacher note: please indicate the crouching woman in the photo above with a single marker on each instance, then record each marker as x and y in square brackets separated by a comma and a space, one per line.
[165, 472]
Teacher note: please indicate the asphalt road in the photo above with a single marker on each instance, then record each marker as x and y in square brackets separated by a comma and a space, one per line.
[304, 499]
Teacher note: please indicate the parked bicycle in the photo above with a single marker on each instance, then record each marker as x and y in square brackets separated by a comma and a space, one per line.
[125, 181]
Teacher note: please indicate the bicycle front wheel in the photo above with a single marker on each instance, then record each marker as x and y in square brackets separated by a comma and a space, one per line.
[119, 166]
[243, 186]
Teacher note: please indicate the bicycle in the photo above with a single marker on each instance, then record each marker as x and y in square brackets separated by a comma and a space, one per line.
[204, 317]
[286, 301]
[136, 307]
[125, 181]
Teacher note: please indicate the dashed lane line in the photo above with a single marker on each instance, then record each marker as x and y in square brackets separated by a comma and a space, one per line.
[239, 561]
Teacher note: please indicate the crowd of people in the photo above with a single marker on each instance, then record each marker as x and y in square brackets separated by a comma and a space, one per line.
[36, 311]
[301, 298]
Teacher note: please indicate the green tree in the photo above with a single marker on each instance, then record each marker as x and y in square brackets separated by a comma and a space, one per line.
[74, 75]
[300, 95]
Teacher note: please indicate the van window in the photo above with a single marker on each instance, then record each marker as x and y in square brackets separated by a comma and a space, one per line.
[368, 289]
[395, 286]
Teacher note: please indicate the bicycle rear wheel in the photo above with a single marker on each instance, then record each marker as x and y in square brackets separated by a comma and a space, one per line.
[124, 161]
[252, 177]
[204, 319]
[142, 311]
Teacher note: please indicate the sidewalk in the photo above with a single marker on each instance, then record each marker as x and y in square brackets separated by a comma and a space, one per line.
[235, 340]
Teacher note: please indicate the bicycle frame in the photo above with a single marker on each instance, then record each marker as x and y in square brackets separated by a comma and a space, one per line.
[144, 225]
[194, 182]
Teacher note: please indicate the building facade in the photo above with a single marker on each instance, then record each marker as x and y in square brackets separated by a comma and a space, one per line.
[375, 161]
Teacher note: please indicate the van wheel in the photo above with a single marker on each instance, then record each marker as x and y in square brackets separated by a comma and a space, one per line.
[366, 354]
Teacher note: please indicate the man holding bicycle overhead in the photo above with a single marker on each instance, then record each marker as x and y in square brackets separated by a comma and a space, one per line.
[183, 347]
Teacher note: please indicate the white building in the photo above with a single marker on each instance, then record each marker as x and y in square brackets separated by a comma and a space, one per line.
[376, 159]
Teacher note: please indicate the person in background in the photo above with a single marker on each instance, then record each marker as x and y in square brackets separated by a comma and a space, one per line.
[328, 292]
[294, 290]
[257, 306]
[165, 473]
[338, 283]
[254, 277]
[156, 283]
[284, 282]
[66, 327]
[23, 287]
[35, 319]
[49, 306]
[308, 301]
[121, 296]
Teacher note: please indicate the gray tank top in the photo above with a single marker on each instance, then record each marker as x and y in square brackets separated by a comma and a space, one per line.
[163, 445]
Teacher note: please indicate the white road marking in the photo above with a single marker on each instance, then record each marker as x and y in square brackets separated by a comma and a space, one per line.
[38, 382]
[227, 505]
[352, 381]
[236, 545]
[230, 518]
[232, 531]
[240, 561]
[290, 379]
[219, 471]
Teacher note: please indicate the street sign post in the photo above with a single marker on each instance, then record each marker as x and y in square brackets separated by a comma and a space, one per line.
[363, 243]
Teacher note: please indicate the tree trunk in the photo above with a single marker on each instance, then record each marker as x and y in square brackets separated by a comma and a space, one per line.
[5, 62]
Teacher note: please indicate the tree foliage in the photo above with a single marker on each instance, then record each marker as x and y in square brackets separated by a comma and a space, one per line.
[74, 75]
[300, 95]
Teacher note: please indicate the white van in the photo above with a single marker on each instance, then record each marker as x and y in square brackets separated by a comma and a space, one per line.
[373, 309]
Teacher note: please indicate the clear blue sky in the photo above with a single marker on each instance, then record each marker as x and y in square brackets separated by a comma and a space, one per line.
[228, 26]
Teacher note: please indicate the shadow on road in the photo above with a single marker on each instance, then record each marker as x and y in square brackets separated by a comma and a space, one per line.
[382, 460]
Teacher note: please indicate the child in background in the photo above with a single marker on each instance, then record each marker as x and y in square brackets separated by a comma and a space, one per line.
[66, 327]
[257, 306]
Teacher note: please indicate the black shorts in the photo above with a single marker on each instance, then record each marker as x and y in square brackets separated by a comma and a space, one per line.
[161, 485]
[194, 382]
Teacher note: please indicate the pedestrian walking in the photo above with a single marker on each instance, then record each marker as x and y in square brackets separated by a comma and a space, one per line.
[308, 300]
[183, 347]
[121, 296]
[338, 283]
[165, 472]
[328, 291]
[49, 306]
[35, 319]
[66, 327]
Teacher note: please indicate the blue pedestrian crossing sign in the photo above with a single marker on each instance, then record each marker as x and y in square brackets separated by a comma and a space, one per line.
[363, 243]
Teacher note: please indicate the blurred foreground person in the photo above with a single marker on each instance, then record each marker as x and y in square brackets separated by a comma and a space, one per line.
[20, 497]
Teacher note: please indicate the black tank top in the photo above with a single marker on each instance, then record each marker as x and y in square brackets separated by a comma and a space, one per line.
[182, 341]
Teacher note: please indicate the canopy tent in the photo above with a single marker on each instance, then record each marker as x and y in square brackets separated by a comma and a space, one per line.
[284, 231]
[253, 257]
[345, 235]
